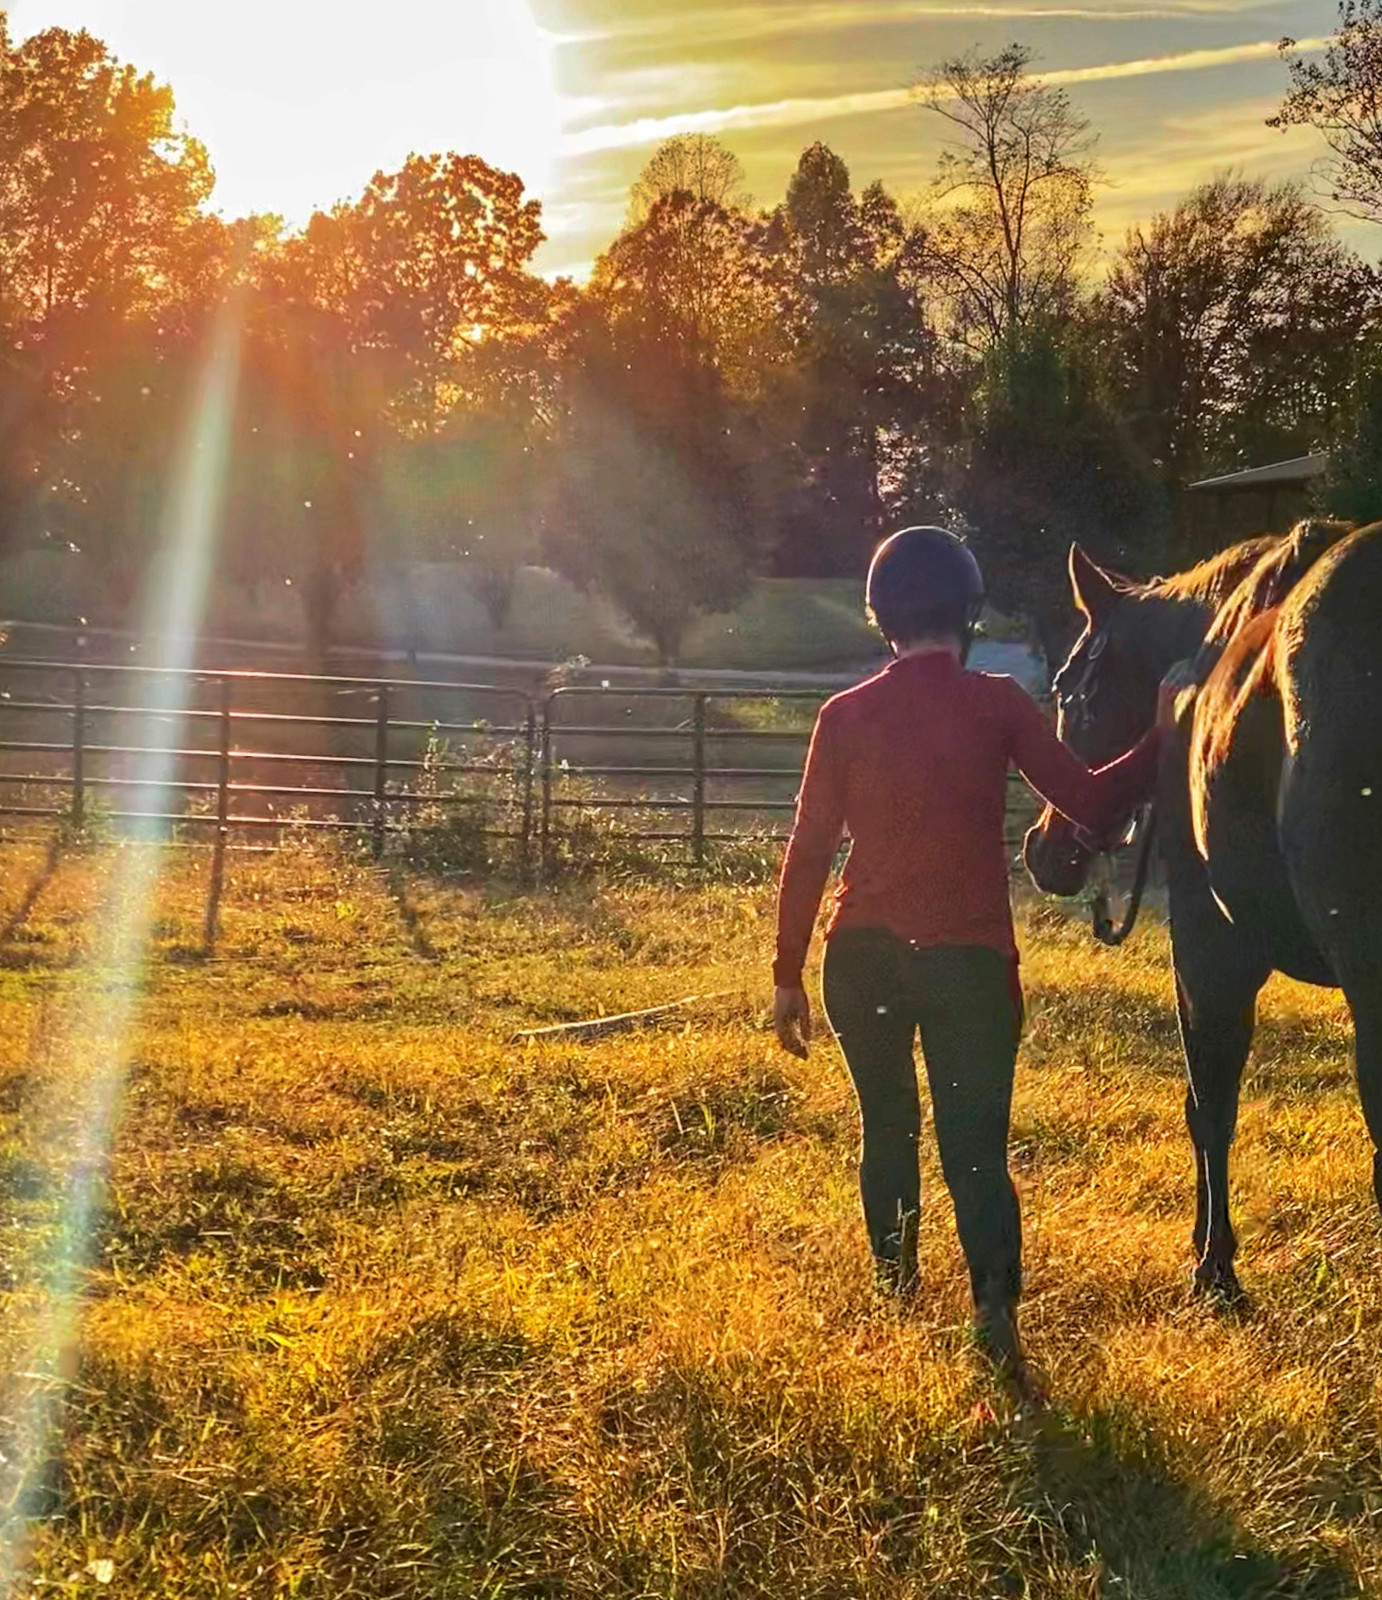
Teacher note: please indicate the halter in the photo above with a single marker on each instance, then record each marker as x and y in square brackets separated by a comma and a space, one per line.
[1102, 925]
[1076, 708]
[1076, 704]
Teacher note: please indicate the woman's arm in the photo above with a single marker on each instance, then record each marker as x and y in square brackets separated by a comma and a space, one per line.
[811, 850]
[1094, 798]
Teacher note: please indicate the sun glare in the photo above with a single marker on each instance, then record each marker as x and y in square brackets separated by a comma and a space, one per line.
[299, 104]
[518, 103]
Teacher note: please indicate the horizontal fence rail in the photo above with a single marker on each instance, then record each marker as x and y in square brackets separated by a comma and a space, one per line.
[461, 773]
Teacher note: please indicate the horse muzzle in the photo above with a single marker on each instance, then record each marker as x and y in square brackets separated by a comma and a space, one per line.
[1055, 856]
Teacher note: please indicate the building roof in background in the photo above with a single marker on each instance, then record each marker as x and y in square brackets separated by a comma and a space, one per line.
[1279, 474]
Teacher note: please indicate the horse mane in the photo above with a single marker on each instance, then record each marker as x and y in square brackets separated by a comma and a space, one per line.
[1275, 573]
[1214, 580]
[1237, 660]
[1243, 674]
[1242, 671]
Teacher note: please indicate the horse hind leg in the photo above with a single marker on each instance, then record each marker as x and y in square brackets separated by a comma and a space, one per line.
[1363, 990]
[1216, 1029]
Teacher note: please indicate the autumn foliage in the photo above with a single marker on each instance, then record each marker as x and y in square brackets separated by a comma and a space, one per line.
[738, 390]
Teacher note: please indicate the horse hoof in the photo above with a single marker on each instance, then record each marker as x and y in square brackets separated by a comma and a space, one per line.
[1218, 1283]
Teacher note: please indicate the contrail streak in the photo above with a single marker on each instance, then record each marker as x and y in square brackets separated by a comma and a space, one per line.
[813, 109]
[731, 26]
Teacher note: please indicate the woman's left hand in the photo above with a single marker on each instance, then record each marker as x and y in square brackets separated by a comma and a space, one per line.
[792, 1021]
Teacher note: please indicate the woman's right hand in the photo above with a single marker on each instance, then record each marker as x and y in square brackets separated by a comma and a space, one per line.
[792, 1020]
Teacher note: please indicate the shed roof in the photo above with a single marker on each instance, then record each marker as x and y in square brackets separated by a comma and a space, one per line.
[1279, 474]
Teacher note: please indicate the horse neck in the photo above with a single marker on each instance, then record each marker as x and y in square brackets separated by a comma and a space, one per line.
[1170, 628]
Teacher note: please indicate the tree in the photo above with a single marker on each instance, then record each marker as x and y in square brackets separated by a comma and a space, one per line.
[823, 219]
[1011, 203]
[1229, 326]
[856, 392]
[366, 336]
[468, 494]
[689, 276]
[108, 259]
[109, 460]
[1341, 96]
[101, 195]
[303, 461]
[652, 495]
[1353, 487]
[429, 260]
[691, 164]
[1049, 464]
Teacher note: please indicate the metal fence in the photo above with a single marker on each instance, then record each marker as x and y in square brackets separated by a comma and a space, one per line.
[231, 759]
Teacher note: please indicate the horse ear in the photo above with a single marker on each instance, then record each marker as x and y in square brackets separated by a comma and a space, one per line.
[1094, 589]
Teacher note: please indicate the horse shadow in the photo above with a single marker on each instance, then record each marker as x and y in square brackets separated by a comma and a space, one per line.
[1100, 1485]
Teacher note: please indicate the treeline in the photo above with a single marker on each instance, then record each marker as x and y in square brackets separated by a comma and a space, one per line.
[737, 390]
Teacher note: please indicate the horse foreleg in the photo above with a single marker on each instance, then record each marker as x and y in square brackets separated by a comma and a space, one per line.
[1216, 1022]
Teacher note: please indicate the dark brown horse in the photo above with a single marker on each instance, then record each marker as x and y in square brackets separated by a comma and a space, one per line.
[1269, 805]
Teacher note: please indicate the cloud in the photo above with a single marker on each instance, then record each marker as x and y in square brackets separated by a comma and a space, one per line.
[807, 110]
[768, 114]
[1185, 150]
[724, 25]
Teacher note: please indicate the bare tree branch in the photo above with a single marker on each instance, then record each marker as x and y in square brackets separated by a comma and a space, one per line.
[1010, 207]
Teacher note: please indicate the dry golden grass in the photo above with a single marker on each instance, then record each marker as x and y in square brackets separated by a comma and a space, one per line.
[380, 1304]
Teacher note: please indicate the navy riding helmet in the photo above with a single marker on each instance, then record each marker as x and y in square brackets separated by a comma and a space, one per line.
[924, 581]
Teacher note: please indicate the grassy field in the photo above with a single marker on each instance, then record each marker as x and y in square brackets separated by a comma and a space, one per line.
[382, 1304]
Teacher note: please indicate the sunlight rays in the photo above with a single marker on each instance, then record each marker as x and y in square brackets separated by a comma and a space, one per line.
[91, 1037]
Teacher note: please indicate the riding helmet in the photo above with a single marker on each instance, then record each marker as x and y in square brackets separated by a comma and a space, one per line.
[923, 581]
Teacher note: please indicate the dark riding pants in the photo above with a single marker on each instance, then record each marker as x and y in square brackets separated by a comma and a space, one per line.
[879, 991]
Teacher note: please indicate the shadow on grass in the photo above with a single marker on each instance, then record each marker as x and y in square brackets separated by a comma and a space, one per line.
[41, 879]
[1101, 1485]
[1063, 1504]
[476, 1459]
[410, 916]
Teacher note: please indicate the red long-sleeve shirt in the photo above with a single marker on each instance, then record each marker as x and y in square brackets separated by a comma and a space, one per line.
[913, 763]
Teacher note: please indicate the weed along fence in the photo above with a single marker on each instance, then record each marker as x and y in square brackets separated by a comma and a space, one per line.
[461, 775]
[693, 769]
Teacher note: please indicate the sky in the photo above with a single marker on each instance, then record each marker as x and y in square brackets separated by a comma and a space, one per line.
[300, 101]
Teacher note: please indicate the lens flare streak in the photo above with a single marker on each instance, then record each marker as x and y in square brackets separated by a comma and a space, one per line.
[88, 1047]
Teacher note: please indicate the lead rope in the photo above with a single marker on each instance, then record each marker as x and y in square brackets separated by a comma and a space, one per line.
[1104, 930]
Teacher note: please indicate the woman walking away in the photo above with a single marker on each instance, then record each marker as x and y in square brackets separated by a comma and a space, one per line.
[913, 764]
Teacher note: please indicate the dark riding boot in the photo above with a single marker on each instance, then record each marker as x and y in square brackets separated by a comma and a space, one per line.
[995, 1327]
[895, 1264]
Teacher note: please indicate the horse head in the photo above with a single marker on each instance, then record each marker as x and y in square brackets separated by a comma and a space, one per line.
[1105, 701]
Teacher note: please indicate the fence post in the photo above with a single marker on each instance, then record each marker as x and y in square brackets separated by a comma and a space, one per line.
[79, 750]
[381, 769]
[545, 825]
[218, 844]
[529, 772]
[698, 781]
